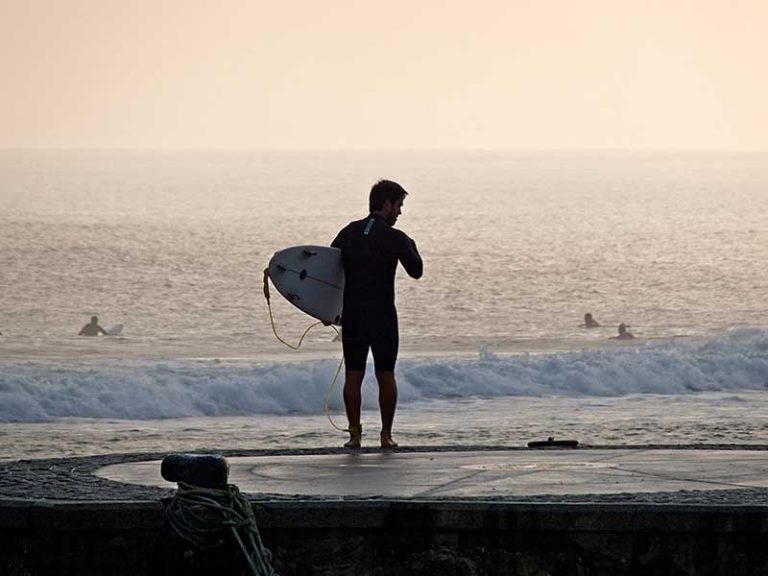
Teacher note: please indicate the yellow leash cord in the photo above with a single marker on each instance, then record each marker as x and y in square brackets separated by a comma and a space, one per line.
[297, 346]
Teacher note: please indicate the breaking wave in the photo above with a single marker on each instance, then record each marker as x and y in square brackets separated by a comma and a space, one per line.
[39, 391]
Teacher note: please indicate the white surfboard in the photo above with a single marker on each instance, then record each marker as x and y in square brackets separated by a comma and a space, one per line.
[114, 330]
[312, 279]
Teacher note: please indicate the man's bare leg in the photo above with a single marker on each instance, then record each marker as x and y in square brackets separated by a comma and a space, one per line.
[387, 405]
[353, 398]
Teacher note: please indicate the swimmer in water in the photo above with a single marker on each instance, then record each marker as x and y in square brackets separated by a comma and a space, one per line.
[590, 322]
[92, 328]
[623, 333]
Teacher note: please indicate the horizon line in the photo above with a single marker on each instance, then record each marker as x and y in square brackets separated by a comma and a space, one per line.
[379, 150]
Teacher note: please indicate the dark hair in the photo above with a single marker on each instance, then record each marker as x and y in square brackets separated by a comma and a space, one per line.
[382, 191]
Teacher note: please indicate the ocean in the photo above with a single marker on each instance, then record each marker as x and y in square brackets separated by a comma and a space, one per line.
[518, 246]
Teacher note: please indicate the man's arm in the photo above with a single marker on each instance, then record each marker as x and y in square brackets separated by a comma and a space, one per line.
[410, 258]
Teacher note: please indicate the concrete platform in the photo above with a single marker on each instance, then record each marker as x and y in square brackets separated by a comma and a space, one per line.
[624, 511]
[479, 474]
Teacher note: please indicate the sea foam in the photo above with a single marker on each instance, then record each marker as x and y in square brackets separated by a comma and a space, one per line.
[150, 389]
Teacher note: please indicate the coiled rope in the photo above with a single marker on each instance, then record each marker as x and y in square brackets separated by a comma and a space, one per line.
[203, 516]
[298, 345]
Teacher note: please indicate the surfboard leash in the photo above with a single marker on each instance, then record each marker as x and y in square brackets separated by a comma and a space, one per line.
[272, 320]
[297, 346]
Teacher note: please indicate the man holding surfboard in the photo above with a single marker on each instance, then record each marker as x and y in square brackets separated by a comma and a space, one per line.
[92, 328]
[371, 249]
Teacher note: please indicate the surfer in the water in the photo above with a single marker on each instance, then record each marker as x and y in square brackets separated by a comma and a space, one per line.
[92, 328]
[371, 249]
[590, 322]
[624, 334]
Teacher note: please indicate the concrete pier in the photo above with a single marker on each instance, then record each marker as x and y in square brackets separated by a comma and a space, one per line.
[470, 511]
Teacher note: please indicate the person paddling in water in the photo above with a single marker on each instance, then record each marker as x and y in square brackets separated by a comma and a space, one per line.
[92, 328]
[371, 249]
[590, 322]
[624, 334]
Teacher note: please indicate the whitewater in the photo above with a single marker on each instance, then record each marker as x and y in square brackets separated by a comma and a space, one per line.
[144, 390]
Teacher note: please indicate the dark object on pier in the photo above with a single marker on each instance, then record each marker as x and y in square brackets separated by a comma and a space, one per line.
[203, 470]
[552, 443]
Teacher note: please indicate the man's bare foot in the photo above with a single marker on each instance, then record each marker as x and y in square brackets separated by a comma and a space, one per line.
[353, 442]
[387, 442]
[355, 436]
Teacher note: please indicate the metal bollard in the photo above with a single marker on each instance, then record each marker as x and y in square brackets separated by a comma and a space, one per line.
[203, 470]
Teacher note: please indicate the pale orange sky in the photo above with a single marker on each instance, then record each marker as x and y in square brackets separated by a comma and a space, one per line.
[488, 74]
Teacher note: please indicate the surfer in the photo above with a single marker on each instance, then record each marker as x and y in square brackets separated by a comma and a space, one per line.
[371, 249]
[92, 328]
[590, 322]
[624, 334]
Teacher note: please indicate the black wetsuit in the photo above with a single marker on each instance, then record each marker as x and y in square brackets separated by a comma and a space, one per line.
[371, 249]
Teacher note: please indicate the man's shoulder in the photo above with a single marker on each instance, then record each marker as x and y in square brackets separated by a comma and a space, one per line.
[344, 234]
[395, 236]
[355, 224]
[349, 228]
[398, 233]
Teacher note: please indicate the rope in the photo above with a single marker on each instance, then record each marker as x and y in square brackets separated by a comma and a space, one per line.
[298, 345]
[202, 517]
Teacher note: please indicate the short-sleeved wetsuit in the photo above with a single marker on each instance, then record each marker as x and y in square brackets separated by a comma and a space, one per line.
[371, 249]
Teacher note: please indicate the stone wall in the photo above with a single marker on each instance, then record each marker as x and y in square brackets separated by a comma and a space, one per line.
[396, 537]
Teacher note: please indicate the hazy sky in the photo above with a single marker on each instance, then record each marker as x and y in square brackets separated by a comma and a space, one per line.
[508, 74]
